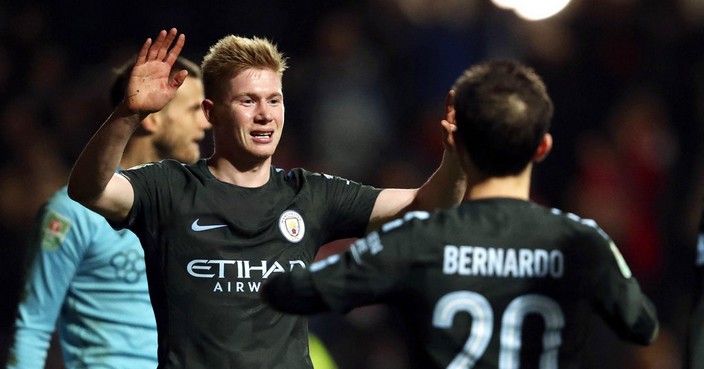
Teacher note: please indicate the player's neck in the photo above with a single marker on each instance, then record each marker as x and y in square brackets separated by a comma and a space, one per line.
[492, 187]
[239, 174]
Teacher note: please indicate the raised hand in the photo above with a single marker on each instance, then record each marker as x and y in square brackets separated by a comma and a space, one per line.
[149, 88]
[448, 124]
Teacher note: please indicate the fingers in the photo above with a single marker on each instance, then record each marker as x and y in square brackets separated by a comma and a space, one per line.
[450, 107]
[449, 100]
[159, 48]
[448, 135]
[158, 42]
[166, 44]
[448, 127]
[176, 50]
[142, 56]
[448, 124]
[179, 78]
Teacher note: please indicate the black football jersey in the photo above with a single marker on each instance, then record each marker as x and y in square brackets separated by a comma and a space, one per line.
[209, 245]
[492, 283]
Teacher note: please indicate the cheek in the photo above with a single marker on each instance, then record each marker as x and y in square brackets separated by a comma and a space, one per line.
[280, 115]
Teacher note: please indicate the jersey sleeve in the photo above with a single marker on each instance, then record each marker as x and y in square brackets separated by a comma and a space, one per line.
[371, 271]
[153, 186]
[62, 234]
[619, 299]
[348, 206]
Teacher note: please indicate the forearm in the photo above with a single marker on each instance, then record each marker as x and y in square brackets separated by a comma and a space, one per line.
[293, 293]
[101, 156]
[444, 188]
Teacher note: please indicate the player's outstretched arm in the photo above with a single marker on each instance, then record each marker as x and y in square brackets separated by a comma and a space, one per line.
[93, 182]
[445, 187]
[293, 293]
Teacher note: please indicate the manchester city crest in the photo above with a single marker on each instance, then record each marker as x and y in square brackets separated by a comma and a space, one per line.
[292, 226]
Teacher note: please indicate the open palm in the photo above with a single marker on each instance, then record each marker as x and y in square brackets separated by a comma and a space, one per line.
[149, 88]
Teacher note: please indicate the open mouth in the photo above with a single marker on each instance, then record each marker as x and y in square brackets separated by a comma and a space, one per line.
[262, 135]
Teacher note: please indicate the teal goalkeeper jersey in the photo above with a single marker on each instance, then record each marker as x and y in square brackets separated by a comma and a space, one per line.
[91, 280]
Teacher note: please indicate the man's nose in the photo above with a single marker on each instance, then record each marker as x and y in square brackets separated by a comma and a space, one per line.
[263, 114]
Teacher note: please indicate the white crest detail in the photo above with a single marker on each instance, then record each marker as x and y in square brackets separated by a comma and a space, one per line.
[292, 226]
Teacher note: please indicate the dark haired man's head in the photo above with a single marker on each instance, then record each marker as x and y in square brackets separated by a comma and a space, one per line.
[503, 110]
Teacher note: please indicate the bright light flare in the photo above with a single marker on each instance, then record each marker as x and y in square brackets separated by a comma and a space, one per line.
[533, 10]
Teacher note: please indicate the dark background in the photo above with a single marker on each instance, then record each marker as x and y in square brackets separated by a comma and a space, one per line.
[364, 97]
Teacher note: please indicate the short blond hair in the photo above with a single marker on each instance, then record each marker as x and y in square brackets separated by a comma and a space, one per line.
[233, 54]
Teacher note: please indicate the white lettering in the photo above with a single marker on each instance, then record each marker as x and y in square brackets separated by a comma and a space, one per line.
[479, 261]
[374, 243]
[510, 263]
[465, 259]
[525, 263]
[293, 263]
[557, 263]
[496, 262]
[248, 269]
[242, 269]
[541, 263]
[449, 261]
[195, 265]
[276, 267]
[502, 262]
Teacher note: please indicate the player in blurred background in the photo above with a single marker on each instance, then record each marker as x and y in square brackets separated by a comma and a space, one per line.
[88, 276]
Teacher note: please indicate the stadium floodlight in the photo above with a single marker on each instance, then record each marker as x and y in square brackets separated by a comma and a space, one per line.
[506, 4]
[533, 10]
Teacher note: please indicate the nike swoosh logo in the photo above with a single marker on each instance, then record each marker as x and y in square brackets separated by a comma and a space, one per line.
[199, 228]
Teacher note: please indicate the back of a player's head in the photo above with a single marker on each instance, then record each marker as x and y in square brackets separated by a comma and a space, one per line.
[234, 54]
[503, 111]
[122, 75]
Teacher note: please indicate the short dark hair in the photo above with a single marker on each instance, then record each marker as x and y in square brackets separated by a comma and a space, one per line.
[122, 75]
[503, 110]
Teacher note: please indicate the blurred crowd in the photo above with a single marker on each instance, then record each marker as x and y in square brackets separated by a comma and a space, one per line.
[364, 97]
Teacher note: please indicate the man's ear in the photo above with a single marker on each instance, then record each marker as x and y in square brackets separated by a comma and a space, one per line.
[207, 107]
[151, 123]
[543, 148]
